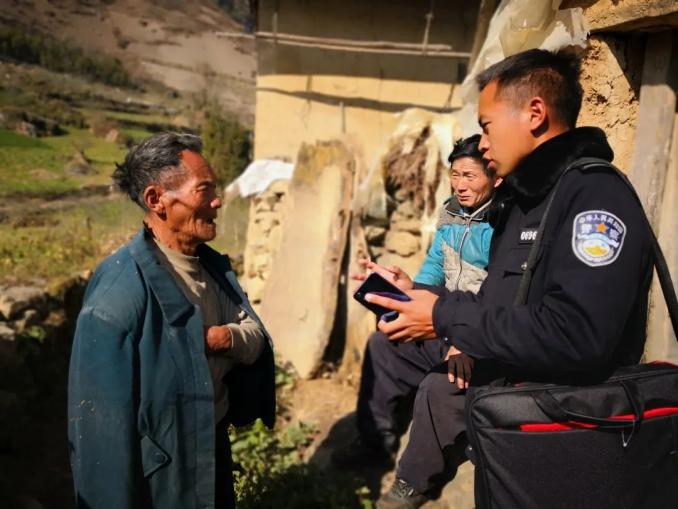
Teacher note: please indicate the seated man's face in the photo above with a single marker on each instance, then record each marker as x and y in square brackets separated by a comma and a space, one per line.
[470, 184]
[192, 206]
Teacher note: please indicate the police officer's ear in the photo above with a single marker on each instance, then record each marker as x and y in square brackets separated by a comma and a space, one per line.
[538, 118]
[153, 199]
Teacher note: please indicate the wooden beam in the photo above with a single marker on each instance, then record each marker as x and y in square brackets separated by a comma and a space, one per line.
[661, 340]
[427, 29]
[358, 46]
[654, 128]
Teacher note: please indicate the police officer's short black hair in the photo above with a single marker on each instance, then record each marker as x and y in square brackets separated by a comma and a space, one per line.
[152, 161]
[468, 147]
[536, 72]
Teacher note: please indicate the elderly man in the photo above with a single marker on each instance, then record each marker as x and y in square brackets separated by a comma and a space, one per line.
[391, 373]
[167, 349]
[587, 304]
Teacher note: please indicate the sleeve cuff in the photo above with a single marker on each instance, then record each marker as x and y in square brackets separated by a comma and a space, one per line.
[247, 341]
[448, 319]
[442, 312]
[237, 349]
[438, 290]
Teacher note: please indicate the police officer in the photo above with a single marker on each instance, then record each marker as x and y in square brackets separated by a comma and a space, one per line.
[587, 306]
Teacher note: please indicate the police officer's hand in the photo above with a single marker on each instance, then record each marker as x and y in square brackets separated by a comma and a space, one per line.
[415, 318]
[391, 273]
[218, 338]
[459, 367]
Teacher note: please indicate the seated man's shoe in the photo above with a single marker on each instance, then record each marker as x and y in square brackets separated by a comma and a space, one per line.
[401, 496]
[360, 453]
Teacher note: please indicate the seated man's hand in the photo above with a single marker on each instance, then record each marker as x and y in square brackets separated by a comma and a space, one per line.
[393, 274]
[459, 367]
[415, 318]
[218, 338]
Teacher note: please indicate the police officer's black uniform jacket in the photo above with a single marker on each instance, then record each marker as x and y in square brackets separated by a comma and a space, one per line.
[587, 306]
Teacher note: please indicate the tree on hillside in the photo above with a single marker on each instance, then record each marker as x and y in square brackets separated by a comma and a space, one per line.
[61, 56]
[227, 144]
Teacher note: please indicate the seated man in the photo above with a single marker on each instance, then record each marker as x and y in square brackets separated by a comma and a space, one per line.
[457, 259]
[167, 351]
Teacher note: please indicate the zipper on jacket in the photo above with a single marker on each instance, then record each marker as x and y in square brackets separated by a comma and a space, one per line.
[469, 219]
[461, 246]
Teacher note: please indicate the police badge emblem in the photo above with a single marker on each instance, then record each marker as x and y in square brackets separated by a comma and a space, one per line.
[597, 237]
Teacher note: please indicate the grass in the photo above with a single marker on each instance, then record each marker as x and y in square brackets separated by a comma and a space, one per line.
[52, 246]
[36, 166]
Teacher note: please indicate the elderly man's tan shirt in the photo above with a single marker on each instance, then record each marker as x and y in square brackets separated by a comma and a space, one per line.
[217, 309]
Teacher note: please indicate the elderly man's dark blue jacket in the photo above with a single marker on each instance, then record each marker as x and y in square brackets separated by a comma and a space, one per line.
[140, 396]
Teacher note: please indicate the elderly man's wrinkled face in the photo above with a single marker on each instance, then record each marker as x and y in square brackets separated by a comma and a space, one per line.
[507, 132]
[470, 184]
[191, 206]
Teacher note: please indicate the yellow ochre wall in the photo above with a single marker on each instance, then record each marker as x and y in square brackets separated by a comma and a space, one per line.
[307, 94]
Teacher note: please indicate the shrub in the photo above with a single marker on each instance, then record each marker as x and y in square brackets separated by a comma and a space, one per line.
[270, 471]
[226, 144]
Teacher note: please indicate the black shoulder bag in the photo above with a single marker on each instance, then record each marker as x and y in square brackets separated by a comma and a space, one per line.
[610, 445]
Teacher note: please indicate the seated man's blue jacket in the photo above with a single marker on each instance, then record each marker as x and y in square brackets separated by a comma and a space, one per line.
[141, 424]
[460, 251]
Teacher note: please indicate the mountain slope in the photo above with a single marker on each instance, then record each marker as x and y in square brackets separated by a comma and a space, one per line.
[169, 41]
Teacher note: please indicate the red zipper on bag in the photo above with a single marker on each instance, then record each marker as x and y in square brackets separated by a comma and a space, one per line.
[572, 425]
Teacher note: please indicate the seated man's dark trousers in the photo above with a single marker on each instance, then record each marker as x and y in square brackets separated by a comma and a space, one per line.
[392, 372]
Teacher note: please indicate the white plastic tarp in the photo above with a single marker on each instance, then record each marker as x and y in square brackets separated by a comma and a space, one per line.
[519, 25]
[258, 176]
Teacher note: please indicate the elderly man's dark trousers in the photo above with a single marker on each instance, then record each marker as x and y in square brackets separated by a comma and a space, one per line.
[391, 374]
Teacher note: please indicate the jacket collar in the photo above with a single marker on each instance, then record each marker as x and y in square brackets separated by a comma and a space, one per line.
[453, 207]
[172, 301]
[171, 298]
[537, 173]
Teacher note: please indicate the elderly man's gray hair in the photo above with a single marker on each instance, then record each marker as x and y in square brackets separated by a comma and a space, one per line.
[151, 162]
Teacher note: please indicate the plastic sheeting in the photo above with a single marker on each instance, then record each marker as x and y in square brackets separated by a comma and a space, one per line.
[519, 25]
[258, 176]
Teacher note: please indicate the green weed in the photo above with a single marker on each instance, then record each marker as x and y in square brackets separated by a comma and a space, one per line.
[270, 472]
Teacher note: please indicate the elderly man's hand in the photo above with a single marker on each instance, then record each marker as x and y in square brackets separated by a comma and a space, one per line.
[218, 338]
[392, 274]
[459, 367]
[415, 318]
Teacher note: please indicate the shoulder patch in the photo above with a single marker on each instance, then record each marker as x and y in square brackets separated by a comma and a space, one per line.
[597, 237]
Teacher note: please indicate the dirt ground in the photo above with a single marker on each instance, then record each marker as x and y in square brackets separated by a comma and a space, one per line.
[328, 403]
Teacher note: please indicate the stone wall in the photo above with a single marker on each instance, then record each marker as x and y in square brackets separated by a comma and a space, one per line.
[25, 310]
[36, 328]
[264, 233]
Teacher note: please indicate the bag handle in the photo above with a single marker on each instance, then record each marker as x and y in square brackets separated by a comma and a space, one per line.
[660, 265]
[558, 413]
